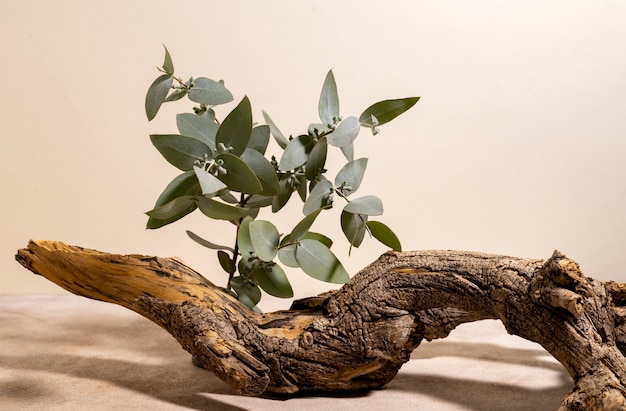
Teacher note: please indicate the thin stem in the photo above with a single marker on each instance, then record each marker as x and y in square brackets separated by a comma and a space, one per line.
[179, 81]
[242, 202]
[235, 253]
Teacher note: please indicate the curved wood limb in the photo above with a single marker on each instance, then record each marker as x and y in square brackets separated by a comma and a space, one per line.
[359, 336]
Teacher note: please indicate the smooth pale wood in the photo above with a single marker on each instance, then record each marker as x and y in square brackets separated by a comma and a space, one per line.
[359, 336]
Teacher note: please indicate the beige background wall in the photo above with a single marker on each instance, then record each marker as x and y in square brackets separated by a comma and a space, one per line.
[517, 147]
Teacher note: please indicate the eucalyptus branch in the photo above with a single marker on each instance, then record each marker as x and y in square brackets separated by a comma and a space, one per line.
[230, 157]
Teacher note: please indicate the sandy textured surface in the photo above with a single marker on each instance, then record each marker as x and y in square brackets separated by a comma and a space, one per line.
[70, 353]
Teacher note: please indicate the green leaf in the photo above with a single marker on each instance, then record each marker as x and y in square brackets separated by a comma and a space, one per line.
[260, 138]
[348, 152]
[287, 248]
[300, 230]
[328, 107]
[206, 243]
[200, 127]
[228, 197]
[236, 128]
[386, 110]
[209, 184]
[273, 281]
[345, 132]
[278, 135]
[302, 192]
[296, 153]
[226, 262]
[317, 159]
[287, 255]
[264, 170]
[351, 176]
[265, 238]
[282, 198]
[320, 197]
[384, 234]
[239, 176]
[168, 65]
[181, 205]
[259, 201]
[319, 262]
[220, 211]
[185, 184]
[175, 95]
[181, 151]
[243, 239]
[209, 92]
[367, 205]
[319, 237]
[246, 266]
[316, 129]
[247, 292]
[354, 227]
[157, 92]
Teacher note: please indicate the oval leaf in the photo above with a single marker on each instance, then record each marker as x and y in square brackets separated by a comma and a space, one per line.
[157, 93]
[287, 255]
[264, 170]
[259, 201]
[220, 211]
[176, 95]
[200, 127]
[345, 132]
[281, 199]
[367, 205]
[278, 135]
[264, 237]
[319, 262]
[384, 234]
[296, 153]
[239, 176]
[236, 128]
[273, 281]
[350, 176]
[328, 106]
[209, 184]
[348, 152]
[181, 151]
[180, 205]
[206, 243]
[260, 138]
[353, 227]
[168, 65]
[185, 184]
[209, 92]
[319, 197]
[385, 111]
[247, 292]
[300, 230]
[226, 262]
[316, 159]
[319, 237]
[243, 239]
[287, 250]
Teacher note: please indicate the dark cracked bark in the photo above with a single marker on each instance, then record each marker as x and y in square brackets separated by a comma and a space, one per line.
[359, 336]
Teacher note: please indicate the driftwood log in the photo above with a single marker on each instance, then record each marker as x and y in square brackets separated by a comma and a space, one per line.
[357, 337]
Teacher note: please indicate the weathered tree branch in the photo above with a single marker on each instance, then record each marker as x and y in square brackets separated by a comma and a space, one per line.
[360, 335]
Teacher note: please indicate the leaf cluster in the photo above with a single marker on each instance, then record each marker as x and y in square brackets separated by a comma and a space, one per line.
[227, 174]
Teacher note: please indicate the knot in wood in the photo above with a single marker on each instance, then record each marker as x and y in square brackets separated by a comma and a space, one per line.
[306, 340]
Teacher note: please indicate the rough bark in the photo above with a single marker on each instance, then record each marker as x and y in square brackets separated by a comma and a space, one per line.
[359, 336]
